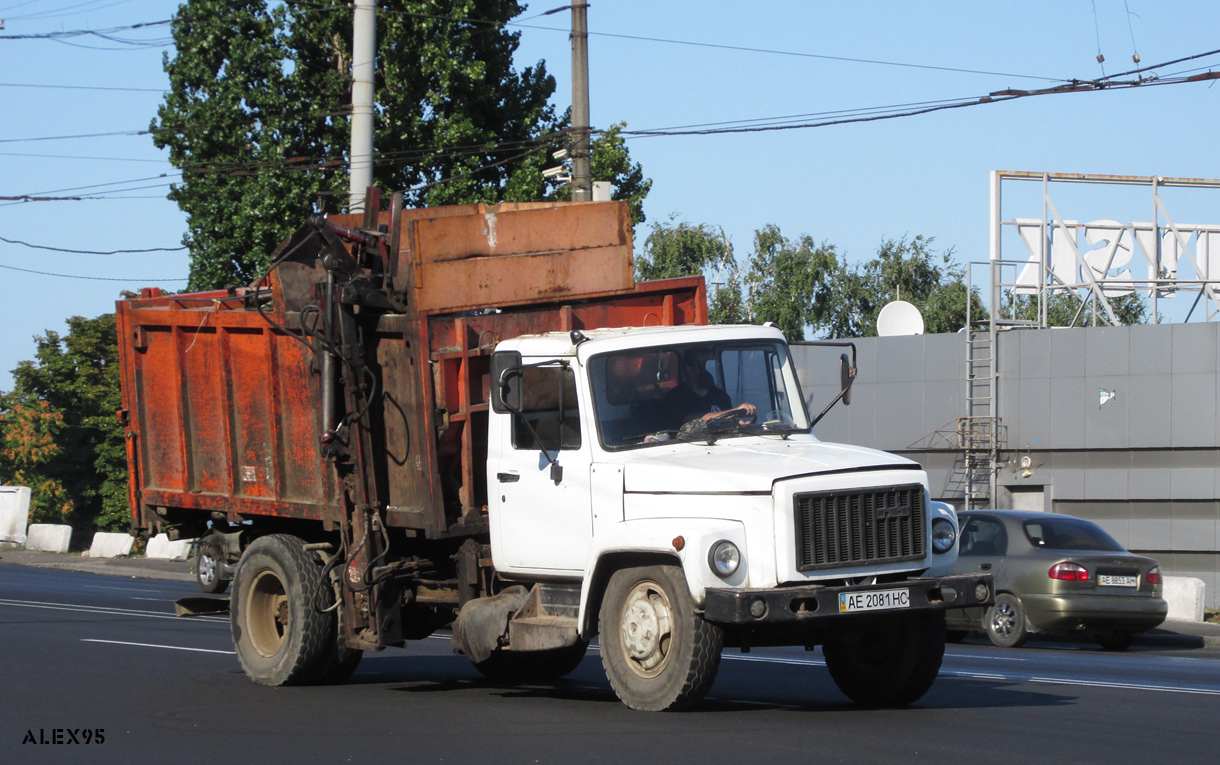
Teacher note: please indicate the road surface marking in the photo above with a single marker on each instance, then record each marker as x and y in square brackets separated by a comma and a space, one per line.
[153, 645]
[105, 610]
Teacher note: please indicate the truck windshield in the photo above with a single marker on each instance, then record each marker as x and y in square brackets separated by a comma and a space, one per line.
[647, 396]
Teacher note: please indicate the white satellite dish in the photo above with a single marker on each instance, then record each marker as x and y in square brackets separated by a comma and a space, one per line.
[899, 318]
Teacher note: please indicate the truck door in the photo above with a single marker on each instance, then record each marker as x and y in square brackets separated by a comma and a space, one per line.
[541, 515]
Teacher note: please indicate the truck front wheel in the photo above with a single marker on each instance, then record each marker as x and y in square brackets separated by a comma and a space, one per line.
[281, 639]
[658, 653]
[888, 662]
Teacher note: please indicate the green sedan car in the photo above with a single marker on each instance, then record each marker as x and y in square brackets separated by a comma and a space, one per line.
[1055, 573]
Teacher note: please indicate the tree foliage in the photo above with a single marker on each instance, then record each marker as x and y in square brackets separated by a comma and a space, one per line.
[904, 269]
[58, 431]
[1070, 310]
[790, 283]
[257, 117]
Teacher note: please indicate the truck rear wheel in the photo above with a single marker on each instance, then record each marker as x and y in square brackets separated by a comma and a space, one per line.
[532, 666]
[888, 662]
[281, 639]
[208, 572]
[658, 653]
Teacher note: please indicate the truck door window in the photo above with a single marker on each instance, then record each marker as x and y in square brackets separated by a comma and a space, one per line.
[542, 388]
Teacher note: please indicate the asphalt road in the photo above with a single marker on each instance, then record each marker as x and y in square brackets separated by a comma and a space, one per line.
[85, 652]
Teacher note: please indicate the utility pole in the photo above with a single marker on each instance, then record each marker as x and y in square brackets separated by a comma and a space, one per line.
[364, 59]
[582, 180]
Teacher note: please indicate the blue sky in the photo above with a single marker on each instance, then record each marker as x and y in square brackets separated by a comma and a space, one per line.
[851, 185]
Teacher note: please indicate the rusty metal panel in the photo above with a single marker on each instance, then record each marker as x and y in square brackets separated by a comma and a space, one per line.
[206, 406]
[517, 255]
[224, 411]
[160, 411]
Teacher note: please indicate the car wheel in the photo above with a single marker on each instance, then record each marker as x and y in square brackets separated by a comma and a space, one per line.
[1005, 622]
[1114, 640]
[207, 573]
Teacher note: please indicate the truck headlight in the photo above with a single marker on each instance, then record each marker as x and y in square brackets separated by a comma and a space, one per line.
[943, 536]
[724, 558]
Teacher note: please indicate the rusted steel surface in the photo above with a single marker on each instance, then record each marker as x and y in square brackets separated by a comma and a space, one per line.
[223, 405]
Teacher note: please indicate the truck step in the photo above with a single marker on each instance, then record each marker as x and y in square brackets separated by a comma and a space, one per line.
[542, 633]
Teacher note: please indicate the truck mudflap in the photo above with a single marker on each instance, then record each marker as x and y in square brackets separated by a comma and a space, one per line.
[785, 605]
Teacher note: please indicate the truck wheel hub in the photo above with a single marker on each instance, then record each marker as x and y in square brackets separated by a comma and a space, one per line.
[647, 628]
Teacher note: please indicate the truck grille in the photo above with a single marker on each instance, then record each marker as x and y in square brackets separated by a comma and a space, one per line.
[835, 529]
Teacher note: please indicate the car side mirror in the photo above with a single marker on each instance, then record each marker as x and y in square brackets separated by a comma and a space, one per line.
[506, 381]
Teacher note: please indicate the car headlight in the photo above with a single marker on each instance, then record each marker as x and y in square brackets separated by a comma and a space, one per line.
[724, 558]
[943, 535]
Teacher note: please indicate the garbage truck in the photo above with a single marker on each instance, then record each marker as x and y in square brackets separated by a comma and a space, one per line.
[474, 419]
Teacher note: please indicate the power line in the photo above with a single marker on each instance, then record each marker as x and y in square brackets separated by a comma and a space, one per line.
[90, 278]
[91, 252]
[70, 137]
[83, 32]
[81, 87]
[1075, 86]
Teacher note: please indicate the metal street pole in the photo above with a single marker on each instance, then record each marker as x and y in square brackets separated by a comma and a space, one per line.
[582, 180]
[364, 57]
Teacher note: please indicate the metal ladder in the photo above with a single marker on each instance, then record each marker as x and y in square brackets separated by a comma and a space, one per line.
[978, 431]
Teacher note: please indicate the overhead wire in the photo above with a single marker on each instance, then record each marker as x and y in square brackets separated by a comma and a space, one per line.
[89, 278]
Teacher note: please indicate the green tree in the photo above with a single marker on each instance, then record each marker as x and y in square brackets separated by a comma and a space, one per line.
[790, 283]
[60, 418]
[904, 269]
[27, 447]
[1069, 310]
[256, 117]
[678, 248]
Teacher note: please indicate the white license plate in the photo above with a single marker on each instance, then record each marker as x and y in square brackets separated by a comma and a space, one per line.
[1107, 580]
[882, 600]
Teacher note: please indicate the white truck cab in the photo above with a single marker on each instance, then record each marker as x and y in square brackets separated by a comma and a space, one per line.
[618, 458]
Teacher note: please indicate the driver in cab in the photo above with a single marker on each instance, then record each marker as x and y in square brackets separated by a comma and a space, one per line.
[696, 399]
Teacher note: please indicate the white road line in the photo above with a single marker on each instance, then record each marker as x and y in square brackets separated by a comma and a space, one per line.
[119, 589]
[977, 657]
[154, 600]
[1126, 686]
[104, 610]
[153, 645]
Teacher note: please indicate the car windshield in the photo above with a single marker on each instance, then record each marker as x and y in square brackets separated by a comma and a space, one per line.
[1069, 534]
[647, 396]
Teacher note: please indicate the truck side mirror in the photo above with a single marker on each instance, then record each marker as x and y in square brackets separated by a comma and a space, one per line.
[847, 376]
[506, 381]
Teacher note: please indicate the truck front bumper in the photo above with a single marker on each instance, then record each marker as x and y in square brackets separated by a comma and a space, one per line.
[800, 603]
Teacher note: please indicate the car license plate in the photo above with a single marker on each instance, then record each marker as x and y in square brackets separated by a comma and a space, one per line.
[882, 600]
[1109, 580]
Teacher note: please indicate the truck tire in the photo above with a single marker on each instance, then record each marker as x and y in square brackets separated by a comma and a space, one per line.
[340, 661]
[1005, 622]
[888, 662]
[207, 572]
[658, 653]
[532, 666]
[281, 639]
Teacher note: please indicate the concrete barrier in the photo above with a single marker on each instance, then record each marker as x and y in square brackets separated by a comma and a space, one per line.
[49, 537]
[111, 544]
[14, 513]
[161, 547]
[1184, 594]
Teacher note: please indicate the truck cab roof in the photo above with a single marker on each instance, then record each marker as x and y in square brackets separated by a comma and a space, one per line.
[553, 344]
